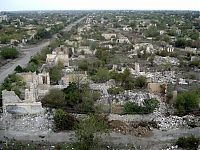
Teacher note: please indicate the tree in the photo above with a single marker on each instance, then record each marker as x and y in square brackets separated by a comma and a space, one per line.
[103, 55]
[87, 105]
[19, 69]
[83, 65]
[187, 102]
[101, 76]
[55, 98]
[194, 35]
[72, 94]
[13, 83]
[133, 24]
[9, 53]
[32, 67]
[55, 73]
[126, 80]
[88, 131]
[63, 121]
[152, 31]
[42, 33]
[115, 75]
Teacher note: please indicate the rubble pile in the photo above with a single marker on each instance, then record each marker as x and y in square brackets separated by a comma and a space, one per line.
[172, 148]
[140, 129]
[192, 121]
[137, 97]
[165, 60]
[30, 123]
[119, 126]
[170, 122]
[161, 77]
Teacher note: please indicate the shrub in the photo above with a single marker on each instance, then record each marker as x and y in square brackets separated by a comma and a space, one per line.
[19, 69]
[72, 94]
[187, 102]
[55, 73]
[55, 98]
[190, 143]
[148, 107]
[140, 82]
[88, 131]
[131, 108]
[101, 76]
[9, 53]
[63, 121]
[14, 83]
[151, 105]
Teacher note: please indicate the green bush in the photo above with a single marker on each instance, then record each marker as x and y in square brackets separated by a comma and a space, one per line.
[89, 130]
[148, 107]
[9, 53]
[63, 121]
[190, 143]
[140, 82]
[187, 102]
[101, 76]
[55, 73]
[55, 98]
[19, 69]
[72, 94]
[14, 83]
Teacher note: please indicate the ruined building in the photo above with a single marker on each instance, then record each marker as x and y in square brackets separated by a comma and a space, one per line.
[59, 55]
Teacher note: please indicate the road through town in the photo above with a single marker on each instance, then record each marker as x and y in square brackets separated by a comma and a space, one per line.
[27, 53]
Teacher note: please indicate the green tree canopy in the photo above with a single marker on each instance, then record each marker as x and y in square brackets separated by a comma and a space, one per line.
[55, 73]
[9, 53]
[101, 76]
[63, 121]
[187, 102]
[88, 131]
[55, 98]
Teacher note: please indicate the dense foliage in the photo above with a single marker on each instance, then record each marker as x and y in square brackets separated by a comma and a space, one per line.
[55, 98]
[55, 73]
[88, 131]
[133, 108]
[13, 83]
[187, 102]
[9, 53]
[63, 121]
[189, 143]
[74, 97]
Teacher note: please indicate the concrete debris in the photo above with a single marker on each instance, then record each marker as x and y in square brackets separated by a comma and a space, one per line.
[170, 122]
[172, 148]
[161, 77]
[166, 60]
[28, 123]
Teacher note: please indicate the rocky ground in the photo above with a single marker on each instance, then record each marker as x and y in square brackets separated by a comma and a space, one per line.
[126, 131]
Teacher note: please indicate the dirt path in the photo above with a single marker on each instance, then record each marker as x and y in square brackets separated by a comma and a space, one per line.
[159, 139]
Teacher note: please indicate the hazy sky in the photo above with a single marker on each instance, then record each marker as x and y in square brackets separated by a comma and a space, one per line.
[13, 5]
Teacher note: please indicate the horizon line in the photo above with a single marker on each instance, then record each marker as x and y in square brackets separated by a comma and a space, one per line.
[101, 10]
